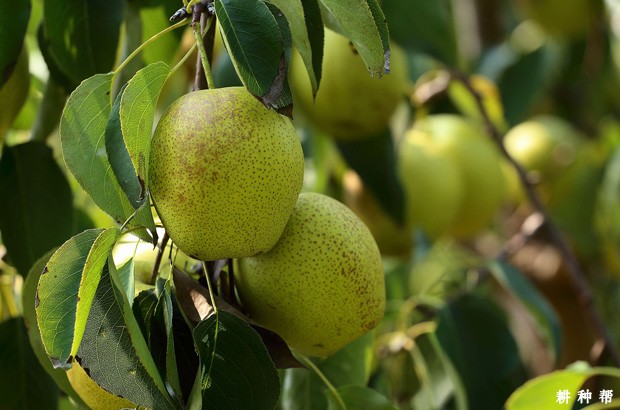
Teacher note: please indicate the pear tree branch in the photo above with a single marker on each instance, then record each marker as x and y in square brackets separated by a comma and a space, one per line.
[577, 277]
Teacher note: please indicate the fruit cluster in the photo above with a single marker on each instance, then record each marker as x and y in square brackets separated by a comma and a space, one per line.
[225, 177]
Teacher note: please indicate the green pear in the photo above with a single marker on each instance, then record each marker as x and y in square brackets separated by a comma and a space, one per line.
[478, 163]
[350, 104]
[432, 184]
[321, 286]
[547, 147]
[224, 173]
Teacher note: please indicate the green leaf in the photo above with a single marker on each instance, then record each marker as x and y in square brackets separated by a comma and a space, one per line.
[541, 392]
[279, 95]
[66, 290]
[357, 20]
[253, 39]
[119, 158]
[374, 160]
[423, 26]
[23, 382]
[14, 17]
[127, 279]
[304, 18]
[236, 370]
[518, 285]
[29, 291]
[143, 310]
[83, 36]
[123, 169]
[137, 110]
[476, 338]
[304, 390]
[114, 352]
[359, 397]
[82, 135]
[36, 211]
[161, 340]
[439, 381]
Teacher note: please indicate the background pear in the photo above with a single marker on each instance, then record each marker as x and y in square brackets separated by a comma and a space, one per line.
[432, 184]
[350, 104]
[322, 284]
[225, 173]
[478, 163]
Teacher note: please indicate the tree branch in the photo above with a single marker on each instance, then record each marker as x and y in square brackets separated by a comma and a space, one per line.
[577, 278]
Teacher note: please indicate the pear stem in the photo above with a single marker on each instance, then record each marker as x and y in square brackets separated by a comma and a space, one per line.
[577, 277]
[146, 43]
[307, 362]
[209, 286]
[160, 254]
[201, 47]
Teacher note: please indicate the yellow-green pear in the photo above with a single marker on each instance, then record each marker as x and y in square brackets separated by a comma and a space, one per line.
[225, 173]
[92, 394]
[478, 163]
[433, 186]
[350, 104]
[546, 146]
[322, 285]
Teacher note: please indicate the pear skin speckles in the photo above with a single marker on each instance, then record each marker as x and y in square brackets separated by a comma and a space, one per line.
[224, 173]
[322, 285]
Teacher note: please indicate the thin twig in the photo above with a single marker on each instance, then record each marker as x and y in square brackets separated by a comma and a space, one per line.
[576, 275]
[160, 254]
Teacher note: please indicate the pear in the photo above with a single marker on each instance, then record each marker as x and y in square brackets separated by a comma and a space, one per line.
[224, 173]
[432, 183]
[321, 286]
[478, 163]
[92, 394]
[350, 104]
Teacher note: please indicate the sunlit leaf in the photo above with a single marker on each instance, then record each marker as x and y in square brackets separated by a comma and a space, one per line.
[66, 290]
[82, 134]
[137, 110]
[304, 18]
[542, 392]
[358, 21]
